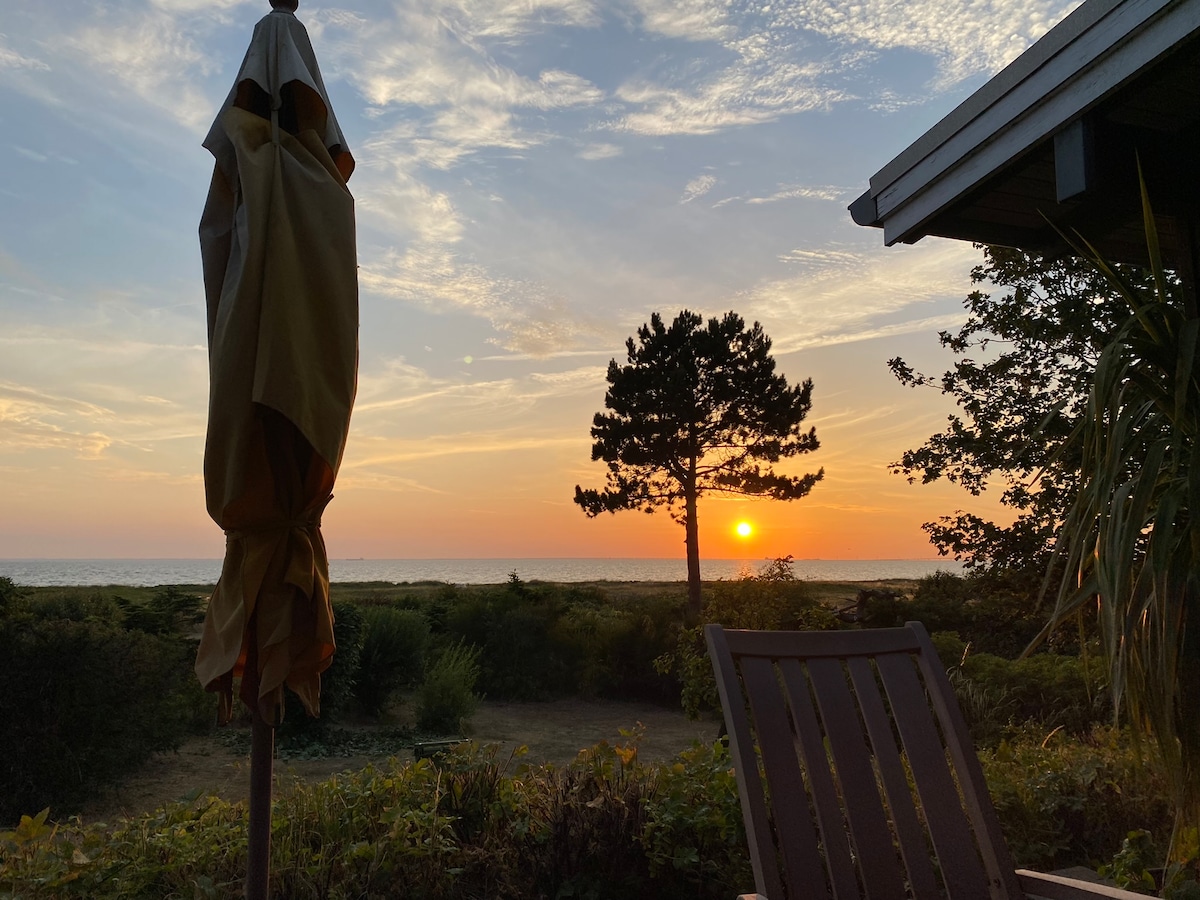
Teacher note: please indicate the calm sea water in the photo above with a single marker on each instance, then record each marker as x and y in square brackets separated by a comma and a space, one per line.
[151, 572]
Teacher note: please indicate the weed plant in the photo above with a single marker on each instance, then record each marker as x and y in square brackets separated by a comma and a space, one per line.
[447, 697]
[476, 824]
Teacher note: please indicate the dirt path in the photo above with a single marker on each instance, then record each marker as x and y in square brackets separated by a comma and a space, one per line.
[554, 732]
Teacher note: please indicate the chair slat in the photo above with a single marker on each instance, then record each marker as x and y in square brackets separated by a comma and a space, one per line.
[816, 644]
[793, 823]
[913, 846]
[767, 876]
[830, 817]
[996, 858]
[860, 795]
[971, 861]
[962, 869]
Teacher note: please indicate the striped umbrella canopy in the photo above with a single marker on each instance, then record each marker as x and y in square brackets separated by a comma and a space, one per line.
[280, 277]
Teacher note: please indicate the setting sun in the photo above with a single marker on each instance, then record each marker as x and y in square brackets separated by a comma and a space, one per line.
[744, 529]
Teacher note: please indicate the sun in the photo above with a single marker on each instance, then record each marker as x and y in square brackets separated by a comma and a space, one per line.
[744, 529]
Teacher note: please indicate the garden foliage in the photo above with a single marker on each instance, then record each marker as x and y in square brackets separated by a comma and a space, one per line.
[85, 699]
[474, 825]
[480, 824]
[393, 655]
[1067, 791]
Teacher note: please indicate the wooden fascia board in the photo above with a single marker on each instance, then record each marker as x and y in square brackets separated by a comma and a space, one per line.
[1082, 19]
[1098, 61]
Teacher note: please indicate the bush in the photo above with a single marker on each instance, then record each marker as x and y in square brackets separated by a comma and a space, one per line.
[984, 610]
[1065, 802]
[522, 654]
[586, 827]
[464, 828]
[85, 703]
[772, 599]
[170, 610]
[337, 682]
[604, 826]
[446, 697]
[694, 835]
[393, 655]
[11, 594]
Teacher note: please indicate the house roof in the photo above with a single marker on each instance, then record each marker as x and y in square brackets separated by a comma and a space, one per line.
[1056, 138]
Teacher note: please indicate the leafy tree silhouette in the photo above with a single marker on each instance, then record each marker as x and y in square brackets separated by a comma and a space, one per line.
[697, 408]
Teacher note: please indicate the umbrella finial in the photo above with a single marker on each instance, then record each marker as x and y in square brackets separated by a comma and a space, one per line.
[285, 5]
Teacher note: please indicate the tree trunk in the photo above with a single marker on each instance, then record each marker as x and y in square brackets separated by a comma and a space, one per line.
[692, 540]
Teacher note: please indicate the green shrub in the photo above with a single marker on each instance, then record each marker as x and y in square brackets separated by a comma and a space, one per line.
[1072, 801]
[446, 697]
[694, 834]
[1047, 689]
[604, 826]
[171, 610]
[773, 599]
[539, 641]
[72, 605]
[986, 611]
[586, 827]
[523, 654]
[85, 703]
[11, 594]
[337, 682]
[393, 654]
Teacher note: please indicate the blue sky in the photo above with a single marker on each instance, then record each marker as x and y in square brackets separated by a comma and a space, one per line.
[535, 177]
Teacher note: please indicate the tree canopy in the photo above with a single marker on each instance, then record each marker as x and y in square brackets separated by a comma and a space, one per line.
[1025, 359]
[697, 407]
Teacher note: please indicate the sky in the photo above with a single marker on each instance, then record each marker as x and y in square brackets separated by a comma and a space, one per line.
[534, 179]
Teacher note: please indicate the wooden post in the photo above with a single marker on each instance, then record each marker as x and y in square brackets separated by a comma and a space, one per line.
[262, 761]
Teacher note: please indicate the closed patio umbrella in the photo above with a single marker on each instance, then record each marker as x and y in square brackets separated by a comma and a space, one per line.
[280, 277]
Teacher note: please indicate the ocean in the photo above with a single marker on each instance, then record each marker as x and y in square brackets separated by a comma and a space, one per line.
[153, 572]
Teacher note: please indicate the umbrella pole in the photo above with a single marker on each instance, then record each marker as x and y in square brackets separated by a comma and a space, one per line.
[262, 760]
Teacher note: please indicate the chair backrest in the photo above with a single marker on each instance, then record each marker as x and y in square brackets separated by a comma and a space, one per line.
[867, 785]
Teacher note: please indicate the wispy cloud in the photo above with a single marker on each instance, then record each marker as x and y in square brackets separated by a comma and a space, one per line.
[517, 18]
[697, 187]
[527, 317]
[759, 88]
[11, 59]
[824, 259]
[964, 37]
[599, 151]
[802, 192]
[887, 295]
[152, 56]
[693, 20]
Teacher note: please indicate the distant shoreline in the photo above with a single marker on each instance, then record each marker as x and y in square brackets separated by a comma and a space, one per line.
[494, 570]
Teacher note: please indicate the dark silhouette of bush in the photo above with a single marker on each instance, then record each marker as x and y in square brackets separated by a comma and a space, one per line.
[984, 610]
[337, 682]
[393, 654]
[85, 702]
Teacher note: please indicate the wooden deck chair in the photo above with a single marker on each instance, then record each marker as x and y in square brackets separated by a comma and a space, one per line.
[872, 787]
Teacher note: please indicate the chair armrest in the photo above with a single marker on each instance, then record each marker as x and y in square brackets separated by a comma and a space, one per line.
[1058, 887]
